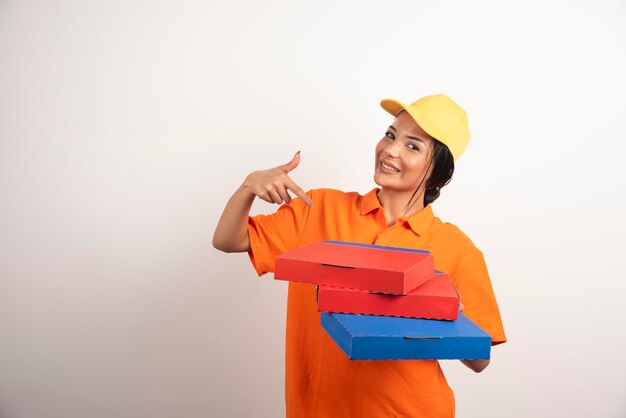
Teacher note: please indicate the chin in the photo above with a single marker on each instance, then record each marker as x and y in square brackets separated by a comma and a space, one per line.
[378, 181]
[381, 181]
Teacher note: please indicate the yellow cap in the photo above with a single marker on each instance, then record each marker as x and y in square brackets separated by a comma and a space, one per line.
[440, 117]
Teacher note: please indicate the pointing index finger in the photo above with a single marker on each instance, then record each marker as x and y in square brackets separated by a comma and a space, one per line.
[291, 185]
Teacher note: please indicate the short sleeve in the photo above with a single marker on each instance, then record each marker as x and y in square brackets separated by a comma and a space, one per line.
[472, 281]
[274, 234]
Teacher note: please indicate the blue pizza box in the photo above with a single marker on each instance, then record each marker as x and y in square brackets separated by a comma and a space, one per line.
[370, 337]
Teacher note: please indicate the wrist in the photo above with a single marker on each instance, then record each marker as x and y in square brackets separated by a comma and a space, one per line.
[246, 187]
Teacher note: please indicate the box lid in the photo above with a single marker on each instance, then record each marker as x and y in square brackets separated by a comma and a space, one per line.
[435, 299]
[368, 337]
[360, 266]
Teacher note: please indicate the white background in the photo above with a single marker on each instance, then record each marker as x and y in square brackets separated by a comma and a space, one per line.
[126, 125]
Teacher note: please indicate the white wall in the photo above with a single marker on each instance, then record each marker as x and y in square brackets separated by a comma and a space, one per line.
[126, 125]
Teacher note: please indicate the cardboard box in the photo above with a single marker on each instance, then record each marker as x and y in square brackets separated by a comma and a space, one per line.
[367, 337]
[357, 266]
[435, 299]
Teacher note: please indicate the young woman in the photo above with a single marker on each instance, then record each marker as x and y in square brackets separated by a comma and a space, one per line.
[413, 161]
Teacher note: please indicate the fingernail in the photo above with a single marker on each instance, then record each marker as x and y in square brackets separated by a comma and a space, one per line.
[297, 153]
[308, 202]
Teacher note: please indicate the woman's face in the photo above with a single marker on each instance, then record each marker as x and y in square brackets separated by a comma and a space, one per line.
[403, 155]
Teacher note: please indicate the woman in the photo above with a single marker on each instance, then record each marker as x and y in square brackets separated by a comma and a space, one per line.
[413, 161]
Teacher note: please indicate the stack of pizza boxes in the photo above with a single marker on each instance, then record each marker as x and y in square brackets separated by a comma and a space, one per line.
[385, 303]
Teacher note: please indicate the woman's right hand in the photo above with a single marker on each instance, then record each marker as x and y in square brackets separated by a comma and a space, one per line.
[273, 185]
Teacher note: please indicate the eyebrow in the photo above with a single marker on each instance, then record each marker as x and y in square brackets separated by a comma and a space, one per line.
[423, 141]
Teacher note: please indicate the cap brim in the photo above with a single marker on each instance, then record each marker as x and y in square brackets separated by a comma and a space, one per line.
[392, 106]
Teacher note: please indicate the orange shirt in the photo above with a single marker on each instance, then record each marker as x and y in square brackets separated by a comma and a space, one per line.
[320, 380]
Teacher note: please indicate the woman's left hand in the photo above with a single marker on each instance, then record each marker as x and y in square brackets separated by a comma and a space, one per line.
[476, 365]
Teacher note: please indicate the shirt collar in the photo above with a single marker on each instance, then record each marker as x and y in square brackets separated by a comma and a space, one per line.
[419, 222]
[369, 202]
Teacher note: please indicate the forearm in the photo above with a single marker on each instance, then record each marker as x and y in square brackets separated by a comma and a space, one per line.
[231, 232]
[476, 365]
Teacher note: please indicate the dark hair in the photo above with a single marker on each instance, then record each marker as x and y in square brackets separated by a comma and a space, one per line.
[441, 167]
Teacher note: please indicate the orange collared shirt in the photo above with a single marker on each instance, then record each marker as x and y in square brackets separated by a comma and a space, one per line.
[320, 380]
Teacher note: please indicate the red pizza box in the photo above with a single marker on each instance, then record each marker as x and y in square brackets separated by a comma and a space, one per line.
[435, 299]
[369, 267]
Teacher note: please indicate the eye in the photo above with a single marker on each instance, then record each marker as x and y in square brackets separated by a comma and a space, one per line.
[413, 147]
[390, 135]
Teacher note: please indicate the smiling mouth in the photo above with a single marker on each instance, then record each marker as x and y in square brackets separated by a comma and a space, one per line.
[388, 167]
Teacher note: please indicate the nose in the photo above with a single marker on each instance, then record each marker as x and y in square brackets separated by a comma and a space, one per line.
[391, 150]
